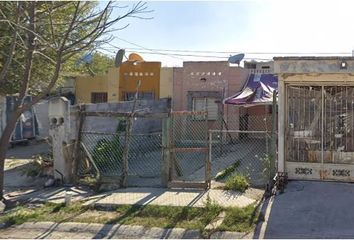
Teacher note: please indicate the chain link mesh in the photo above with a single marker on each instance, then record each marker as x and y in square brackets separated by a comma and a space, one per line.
[245, 151]
[189, 144]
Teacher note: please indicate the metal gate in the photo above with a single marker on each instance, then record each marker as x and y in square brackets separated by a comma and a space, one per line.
[319, 132]
[189, 150]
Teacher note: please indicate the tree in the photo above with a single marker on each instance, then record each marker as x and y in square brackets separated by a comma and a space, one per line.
[40, 38]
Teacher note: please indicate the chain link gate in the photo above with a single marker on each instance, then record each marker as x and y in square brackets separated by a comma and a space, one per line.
[189, 150]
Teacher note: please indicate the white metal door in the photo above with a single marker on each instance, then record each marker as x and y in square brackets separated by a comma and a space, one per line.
[319, 132]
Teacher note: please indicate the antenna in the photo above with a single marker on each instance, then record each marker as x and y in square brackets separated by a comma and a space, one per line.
[236, 59]
[119, 57]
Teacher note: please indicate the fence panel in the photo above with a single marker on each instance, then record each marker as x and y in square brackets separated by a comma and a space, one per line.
[189, 148]
[248, 156]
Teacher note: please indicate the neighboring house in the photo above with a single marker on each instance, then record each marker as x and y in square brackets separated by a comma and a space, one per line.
[255, 98]
[200, 86]
[316, 117]
[120, 83]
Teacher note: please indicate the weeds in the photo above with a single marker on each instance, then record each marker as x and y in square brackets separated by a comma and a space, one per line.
[237, 183]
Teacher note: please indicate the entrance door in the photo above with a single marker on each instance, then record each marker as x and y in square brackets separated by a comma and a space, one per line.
[319, 132]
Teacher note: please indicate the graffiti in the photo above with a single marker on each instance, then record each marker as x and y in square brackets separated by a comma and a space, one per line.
[341, 173]
[303, 171]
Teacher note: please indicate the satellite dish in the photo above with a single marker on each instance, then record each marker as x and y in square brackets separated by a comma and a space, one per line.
[119, 57]
[236, 59]
[134, 57]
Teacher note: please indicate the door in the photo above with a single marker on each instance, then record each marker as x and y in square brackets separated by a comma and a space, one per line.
[319, 132]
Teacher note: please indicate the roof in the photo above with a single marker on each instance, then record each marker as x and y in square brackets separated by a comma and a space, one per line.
[315, 58]
[258, 90]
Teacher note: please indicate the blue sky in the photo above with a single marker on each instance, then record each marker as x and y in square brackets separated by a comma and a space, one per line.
[250, 26]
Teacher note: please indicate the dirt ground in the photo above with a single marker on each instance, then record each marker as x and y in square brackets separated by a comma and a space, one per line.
[18, 161]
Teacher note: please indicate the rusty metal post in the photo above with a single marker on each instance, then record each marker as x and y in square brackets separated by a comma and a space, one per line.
[75, 154]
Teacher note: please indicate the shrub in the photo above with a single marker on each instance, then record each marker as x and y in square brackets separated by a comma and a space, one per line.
[108, 153]
[237, 183]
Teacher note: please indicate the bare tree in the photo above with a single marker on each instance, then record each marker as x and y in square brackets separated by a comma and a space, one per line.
[52, 33]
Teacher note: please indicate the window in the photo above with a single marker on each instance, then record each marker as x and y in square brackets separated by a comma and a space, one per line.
[98, 97]
[206, 104]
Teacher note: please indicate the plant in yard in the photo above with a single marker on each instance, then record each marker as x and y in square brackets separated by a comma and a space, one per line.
[107, 153]
[237, 183]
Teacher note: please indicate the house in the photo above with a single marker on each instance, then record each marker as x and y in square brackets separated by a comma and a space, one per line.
[316, 117]
[121, 83]
[200, 86]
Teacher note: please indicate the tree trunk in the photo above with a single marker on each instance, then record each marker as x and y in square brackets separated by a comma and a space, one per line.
[4, 143]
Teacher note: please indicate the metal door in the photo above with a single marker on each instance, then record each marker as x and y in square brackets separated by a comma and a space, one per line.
[319, 132]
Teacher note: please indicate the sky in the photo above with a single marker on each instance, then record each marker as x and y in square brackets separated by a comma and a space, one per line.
[261, 29]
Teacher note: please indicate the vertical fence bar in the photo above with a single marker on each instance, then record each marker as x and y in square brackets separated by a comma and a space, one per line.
[166, 152]
[273, 144]
[208, 161]
[75, 157]
[126, 150]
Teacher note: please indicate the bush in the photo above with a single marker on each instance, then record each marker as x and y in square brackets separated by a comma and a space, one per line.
[237, 183]
[108, 153]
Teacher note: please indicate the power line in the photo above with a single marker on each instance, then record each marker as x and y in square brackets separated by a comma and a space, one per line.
[227, 52]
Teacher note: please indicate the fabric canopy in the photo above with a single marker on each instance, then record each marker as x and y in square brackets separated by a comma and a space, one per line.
[258, 90]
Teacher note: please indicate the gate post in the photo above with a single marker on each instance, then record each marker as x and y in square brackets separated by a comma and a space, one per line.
[166, 148]
[273, 144]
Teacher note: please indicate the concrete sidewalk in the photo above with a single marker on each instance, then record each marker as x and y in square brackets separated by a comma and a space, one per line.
[70, 230]
[171, 197]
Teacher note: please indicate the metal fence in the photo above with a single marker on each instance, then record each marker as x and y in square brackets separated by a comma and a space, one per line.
[189, 147]
[180, 149]
[250, 153]
[131, 156]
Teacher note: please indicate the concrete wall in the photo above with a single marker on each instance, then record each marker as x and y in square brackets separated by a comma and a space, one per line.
[109, 124]
[41, 111]
[166, 82]
[208, 77]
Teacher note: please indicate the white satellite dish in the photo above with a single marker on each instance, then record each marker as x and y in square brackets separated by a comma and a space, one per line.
[236, 59]
[119, 57]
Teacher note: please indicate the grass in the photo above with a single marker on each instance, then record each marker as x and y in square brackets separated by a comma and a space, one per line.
[237, 219]
[47, 212]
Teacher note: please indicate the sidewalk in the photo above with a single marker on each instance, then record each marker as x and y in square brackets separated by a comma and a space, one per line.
[170, 197]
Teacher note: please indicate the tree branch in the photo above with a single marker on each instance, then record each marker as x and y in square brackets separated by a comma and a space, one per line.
[12, 47]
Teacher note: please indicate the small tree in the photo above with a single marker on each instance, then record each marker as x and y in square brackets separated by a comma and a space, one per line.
[41, 37]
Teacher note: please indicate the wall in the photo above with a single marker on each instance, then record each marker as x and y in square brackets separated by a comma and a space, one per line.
[113, 84]
[219, 78]
[41, 111]
[85, 85]
[147, 72]
[166, 82]
[109, 124]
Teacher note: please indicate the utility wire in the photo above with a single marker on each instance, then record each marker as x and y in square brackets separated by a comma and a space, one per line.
[224, 52]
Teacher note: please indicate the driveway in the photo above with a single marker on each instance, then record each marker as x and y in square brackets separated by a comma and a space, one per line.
[309, 209]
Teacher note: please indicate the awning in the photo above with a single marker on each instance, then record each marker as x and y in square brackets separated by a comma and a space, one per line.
[258, 90]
